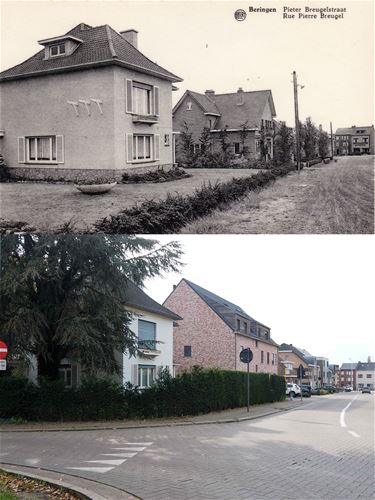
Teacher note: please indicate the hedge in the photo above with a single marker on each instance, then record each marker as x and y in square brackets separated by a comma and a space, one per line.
[191, 393]
[174, 212]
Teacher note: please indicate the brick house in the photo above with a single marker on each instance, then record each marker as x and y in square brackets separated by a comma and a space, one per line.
[152, 324]
[88, 103]
[355, 140]
[250, 110]
[213, 332]
[291, 358]
[347, 375]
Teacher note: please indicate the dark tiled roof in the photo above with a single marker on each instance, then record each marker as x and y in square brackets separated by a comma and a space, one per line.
[205, 103]
[135, 297]
[366, 366]
[296, 351]
[353, 130]
[226, 310]
[101, 45]
[232, 115]
[348, 366]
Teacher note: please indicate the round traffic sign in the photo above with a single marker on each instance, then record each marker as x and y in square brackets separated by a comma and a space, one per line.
[246, 355]
[3, 350]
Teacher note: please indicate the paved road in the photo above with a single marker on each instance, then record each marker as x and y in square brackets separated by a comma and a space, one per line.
[323, 449]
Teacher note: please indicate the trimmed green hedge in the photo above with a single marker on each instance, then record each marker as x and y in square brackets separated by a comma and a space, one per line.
[174, 212]
[191, 393]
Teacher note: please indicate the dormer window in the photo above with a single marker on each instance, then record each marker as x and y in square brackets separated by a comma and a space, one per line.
[57, 50]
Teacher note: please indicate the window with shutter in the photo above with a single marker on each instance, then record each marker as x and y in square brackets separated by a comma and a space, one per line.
[157, 147]
[129, 96]
[21, 150]
[129, 147]
[156, 101]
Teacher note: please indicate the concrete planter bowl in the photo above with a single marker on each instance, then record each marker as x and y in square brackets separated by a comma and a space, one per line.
[95, 188]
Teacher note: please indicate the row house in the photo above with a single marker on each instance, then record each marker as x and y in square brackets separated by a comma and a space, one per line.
[355, 140]
[152, 325]
[214, 331]
[89, 103]
[242, 114]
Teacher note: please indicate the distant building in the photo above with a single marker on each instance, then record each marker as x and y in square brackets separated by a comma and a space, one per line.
[242, 114]
[291, 358]
[214, 331]
[347, 375]
[365, 375]
[354, 140]
[324, 370]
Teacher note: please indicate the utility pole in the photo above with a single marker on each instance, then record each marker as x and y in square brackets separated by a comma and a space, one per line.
[298, 151]
[332, 153]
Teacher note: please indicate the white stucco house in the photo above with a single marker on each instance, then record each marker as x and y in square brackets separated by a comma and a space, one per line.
[152, 324]
[88, 103]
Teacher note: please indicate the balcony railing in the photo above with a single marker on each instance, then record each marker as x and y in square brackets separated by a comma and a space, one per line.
[148, 347]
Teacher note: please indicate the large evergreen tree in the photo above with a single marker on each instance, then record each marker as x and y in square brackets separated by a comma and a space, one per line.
[283, 144]
[63, 295]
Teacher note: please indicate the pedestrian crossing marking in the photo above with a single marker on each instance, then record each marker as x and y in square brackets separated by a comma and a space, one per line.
[100, 470]
[108, 462]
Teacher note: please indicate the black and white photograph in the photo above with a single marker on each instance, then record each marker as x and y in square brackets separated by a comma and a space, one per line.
[187, 250]
[184, 117]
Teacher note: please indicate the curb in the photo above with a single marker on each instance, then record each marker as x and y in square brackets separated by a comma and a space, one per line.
[150, 426]
[83, 488]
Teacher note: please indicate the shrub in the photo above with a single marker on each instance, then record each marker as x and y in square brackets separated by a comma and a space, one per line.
[190, 393]
[156, 176]
[4, 170]
[171, 214]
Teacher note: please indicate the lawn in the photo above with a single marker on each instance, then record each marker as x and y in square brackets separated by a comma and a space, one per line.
[337, 198]
[47, 207]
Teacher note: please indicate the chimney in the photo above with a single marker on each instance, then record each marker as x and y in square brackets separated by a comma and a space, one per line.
[130, 36]
[240, 99]
[210, 94]
[174, 287]
[369, 359]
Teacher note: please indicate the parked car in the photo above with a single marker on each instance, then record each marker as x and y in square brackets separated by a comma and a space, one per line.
[366, 390]
[306, 390]
[330, 388]
[292, 390]
[348, 388]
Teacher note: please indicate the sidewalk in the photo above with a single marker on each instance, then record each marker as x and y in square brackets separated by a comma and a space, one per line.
[226, 416]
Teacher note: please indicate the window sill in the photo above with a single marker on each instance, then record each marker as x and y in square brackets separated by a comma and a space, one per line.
[142, 161]
[46, 162]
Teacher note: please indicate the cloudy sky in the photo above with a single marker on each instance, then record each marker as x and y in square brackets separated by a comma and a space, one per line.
[203, 43]
[315, 292]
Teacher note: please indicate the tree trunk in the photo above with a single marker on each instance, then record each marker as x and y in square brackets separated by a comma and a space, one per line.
[49, 368]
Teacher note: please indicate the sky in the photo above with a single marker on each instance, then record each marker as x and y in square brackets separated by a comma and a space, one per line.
[315, 292]
[203, 43]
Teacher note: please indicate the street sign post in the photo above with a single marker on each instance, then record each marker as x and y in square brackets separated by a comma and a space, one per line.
[301, 375]
[3, 350]
[246, 355]
[3, 364]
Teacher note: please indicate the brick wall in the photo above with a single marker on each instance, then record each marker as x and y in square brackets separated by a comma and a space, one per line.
[212, 341]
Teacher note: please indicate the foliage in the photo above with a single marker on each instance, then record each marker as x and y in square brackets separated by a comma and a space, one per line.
[244, 132]
[283, 144]
[190, 393]
[63, 296]
[309, 139]
[224, 144]
[263, 143]
[323, 143]
[155, 176]
[186, 144]
[95, 181]
[4, 170]
[171, 214]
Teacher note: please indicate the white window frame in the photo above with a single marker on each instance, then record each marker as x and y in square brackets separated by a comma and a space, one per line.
[42, 161]
[59, 52]
[150, 370]
[63, 373]
[135, 158]
[149, 102]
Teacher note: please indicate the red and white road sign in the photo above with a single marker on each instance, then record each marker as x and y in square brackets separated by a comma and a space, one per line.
[3, 350]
